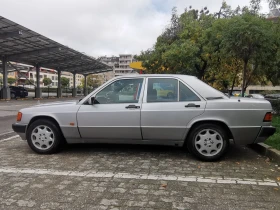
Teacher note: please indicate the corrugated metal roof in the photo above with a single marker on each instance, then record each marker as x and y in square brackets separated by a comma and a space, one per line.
[22, 45]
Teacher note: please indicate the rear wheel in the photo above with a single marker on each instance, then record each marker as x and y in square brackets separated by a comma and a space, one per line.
[44, 137]
[208, 142]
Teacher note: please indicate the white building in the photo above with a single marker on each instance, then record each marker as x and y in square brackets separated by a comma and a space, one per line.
[29, 72]
[120, 64]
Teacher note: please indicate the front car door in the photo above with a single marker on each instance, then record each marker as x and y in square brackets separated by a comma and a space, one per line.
[115, 113]
[168, 106]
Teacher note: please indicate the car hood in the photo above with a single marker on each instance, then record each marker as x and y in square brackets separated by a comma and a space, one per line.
[58, 103]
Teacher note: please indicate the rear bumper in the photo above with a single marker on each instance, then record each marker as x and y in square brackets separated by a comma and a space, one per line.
[264, 133]
[20, 129]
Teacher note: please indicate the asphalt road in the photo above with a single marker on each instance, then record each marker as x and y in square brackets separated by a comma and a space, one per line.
[9, 110]
[6, 123]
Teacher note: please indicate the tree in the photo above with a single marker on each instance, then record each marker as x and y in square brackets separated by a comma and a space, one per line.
[93, 81]
[11, 80]
[64, 82]
[249, 38]
[181, 47]
[47, 81]
[272, 3]
[29, 82]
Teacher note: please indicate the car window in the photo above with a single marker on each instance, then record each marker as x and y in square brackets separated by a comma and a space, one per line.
[186, 94]
[121, 91]
[162, 90]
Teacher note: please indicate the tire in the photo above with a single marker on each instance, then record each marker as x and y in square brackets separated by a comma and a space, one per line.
[13, 95]
[44, 137]
[213, 145]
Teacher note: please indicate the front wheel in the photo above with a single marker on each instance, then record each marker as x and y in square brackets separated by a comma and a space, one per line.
[208, 142]
[13, 95]
[44, 137]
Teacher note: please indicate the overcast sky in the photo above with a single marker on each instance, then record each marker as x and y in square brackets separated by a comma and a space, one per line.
[102, 27]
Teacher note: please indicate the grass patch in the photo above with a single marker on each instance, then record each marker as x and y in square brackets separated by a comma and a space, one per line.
[274, 140]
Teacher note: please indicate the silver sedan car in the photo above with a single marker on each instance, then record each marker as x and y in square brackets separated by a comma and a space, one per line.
[176, 110]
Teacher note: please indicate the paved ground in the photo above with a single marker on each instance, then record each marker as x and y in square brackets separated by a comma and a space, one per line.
[133, 177]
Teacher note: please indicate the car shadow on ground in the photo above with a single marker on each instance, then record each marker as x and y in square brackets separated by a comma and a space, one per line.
[234, 153]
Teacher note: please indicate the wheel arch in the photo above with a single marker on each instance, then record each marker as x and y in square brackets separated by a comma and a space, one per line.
[40, 117]
[216, 122]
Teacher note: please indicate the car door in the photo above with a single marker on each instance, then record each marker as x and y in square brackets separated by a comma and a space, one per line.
[166, 117]
[115, 113]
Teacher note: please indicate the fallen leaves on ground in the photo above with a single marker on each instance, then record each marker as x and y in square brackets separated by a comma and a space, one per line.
[164, 185]
[278, 178]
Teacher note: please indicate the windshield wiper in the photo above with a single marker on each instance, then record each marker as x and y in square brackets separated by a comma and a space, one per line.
[213, 98]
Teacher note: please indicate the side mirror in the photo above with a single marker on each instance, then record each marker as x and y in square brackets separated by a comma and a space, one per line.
[92, 99]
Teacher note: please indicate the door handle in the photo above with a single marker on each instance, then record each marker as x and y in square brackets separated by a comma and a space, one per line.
[192, 105]
[132, 107]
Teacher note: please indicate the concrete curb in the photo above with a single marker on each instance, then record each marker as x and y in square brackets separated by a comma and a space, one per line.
[267, 151]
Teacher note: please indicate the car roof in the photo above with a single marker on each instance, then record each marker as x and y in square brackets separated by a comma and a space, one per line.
[199, 86]
[156, 75]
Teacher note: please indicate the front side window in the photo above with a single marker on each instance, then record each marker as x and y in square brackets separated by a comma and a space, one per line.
[121, 91]
[162, 90]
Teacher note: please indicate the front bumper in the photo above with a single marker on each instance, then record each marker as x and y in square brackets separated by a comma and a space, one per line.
[20, 129]
[264, 133]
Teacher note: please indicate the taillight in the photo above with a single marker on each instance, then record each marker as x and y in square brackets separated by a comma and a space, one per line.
[19, 116]
[267, 117]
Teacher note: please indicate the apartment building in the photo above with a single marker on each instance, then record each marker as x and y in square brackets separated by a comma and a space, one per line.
[29, 72]
[120, 64]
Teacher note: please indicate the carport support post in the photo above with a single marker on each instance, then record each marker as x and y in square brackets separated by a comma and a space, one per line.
[5, 91]
[85, 86]
[59, 93]
[74, 90]
[38, 92]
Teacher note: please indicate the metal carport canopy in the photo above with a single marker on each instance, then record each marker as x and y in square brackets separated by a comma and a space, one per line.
[22, 45]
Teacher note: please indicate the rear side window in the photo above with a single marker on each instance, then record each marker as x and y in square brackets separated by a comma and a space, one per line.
[185, 94]
[162, 90]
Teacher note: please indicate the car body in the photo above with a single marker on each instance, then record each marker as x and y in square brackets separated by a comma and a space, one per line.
[17, 91]
[257, 96]
[127, 109]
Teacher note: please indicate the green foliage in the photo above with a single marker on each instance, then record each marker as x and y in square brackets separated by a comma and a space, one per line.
[65, 82]
[47, 81]
[224, 48]
[11, 81]
[274, 140]
[93, 81]
[29, 82]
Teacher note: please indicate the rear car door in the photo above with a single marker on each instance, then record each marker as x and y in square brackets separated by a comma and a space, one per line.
[168, 106]
[115, 113]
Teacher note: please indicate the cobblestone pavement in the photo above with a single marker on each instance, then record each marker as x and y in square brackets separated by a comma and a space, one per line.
[134, 177]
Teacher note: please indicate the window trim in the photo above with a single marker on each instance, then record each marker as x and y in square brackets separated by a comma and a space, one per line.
[189, 89]
[178, 98]
[140, 100]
